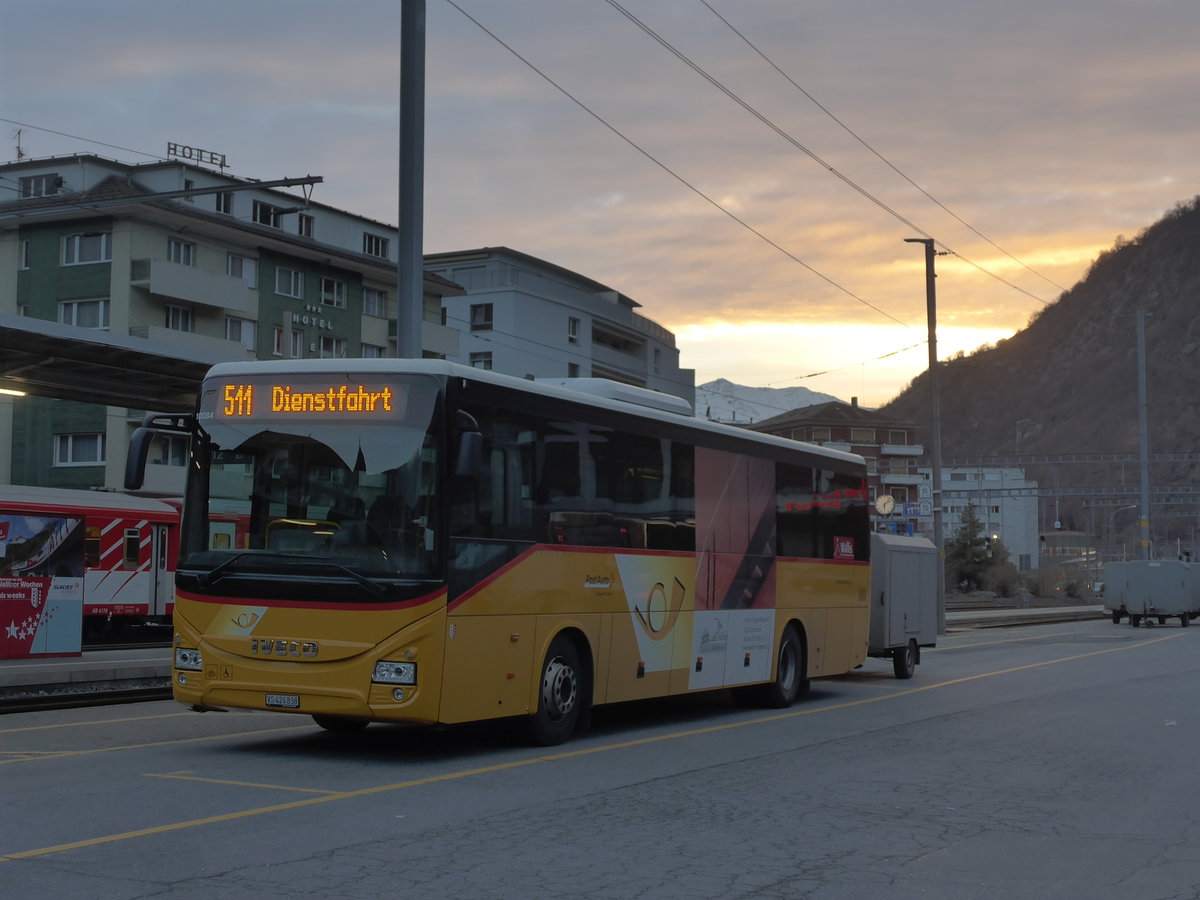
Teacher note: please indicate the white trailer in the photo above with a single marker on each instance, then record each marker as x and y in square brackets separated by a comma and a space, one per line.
[903, 600]
[1152, 590]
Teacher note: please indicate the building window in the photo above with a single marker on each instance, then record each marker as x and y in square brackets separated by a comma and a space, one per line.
[266, 214]
[79, 449]
[374, 245]
[178, 318]
[41, 185]
[372, 351]
[304, 227]
[181, 252]
[169, 450]
[819, 434]
[657, 361]
[481, 360]
[296, 345]
[572, 330]
[289, 282]
[862, 435]
[24, 262]
[898, 437]
[481, 317]
[189, 185]
[240, 330]
[572, 370]
[84, 313]
[332, 347]
[374, 303]
[277, 341]
[225, 203]
[242, 267]
[333, 292]
[81, 249]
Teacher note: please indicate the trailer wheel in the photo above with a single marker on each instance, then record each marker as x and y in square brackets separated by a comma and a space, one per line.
[1162, 620]
[1116, 616]
[904, 660]
[1183, 620]
[1135, 621]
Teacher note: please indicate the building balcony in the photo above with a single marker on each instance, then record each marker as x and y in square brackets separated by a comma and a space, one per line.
[436, 338]
[909, 478]
[902, 450]
[166, 338]
[179, 282]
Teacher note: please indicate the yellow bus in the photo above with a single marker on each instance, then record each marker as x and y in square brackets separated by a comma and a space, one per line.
[418, 541]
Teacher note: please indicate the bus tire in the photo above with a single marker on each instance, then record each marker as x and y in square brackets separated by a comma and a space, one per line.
[339, 724]
[904, 660]
[789, 681]
[560, 694]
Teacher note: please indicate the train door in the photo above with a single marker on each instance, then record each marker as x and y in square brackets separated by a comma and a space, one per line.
[162, 572]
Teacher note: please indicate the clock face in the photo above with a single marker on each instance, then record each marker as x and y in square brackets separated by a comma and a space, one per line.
[885, 503]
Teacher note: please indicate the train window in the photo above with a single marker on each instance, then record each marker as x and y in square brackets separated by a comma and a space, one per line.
[131, 548]
[91, 547]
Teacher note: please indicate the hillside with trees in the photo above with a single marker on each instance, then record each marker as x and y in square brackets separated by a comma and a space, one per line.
[1067, 384]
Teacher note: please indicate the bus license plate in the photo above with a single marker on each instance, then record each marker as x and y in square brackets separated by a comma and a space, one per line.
[283, 701]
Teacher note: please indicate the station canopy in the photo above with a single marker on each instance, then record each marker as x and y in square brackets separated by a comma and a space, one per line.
[48, 359]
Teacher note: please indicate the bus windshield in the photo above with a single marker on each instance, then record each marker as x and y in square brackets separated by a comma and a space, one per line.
[314, 486]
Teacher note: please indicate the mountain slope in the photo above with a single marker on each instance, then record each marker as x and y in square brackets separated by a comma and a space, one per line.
[1068, 382]
[725, 401]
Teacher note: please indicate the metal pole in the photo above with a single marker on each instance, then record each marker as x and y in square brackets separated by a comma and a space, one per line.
[935, 427]
[410, 264]
[1143, 435]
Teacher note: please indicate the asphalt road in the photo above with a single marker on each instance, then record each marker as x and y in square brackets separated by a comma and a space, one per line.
[1049, 761]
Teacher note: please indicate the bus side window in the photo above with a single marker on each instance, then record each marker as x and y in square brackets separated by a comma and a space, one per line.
[131, 548]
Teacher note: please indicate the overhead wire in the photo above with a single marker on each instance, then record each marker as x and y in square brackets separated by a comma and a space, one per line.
[875, 152]
[664, 167]
[841, 176]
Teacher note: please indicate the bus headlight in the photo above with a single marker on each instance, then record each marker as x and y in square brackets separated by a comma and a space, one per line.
[395, 672]
[188, 659]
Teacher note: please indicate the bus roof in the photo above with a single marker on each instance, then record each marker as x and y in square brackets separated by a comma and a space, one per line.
[444, 369]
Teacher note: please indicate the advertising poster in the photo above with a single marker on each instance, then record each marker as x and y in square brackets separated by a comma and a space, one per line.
[41, 585]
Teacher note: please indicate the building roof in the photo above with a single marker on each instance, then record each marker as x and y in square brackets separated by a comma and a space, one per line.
[833, 413]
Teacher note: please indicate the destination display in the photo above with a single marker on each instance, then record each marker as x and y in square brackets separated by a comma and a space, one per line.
[246, 398]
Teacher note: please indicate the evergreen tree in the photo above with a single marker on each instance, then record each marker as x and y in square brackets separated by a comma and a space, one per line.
[967, 552]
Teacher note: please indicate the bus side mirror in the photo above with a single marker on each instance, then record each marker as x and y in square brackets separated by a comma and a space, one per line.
[139, 444]
[470, 450]
[470, 445]
[135, 462]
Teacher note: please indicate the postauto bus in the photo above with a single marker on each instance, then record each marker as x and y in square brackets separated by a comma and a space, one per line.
[423, 542]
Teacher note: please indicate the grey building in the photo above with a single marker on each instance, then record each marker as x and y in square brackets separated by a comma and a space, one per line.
[527, 317]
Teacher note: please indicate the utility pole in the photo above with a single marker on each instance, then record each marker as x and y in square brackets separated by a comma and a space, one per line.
[935, 427]
[410, 260]
[1143, 435]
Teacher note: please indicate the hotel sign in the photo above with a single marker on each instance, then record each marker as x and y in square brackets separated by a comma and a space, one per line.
[196, 155]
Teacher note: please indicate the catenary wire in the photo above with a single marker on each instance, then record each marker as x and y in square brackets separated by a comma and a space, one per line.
[875, 152]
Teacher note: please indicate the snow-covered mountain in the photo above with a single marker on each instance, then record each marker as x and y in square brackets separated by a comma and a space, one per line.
[724, 401]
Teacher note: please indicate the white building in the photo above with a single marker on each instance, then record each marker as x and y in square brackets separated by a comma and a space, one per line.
[1006, 504]
[527, 317]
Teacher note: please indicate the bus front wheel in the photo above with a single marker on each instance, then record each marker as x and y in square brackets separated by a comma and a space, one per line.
[560, 694]
[339, 724]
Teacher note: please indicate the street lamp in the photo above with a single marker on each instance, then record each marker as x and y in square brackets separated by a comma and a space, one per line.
[1113, 516]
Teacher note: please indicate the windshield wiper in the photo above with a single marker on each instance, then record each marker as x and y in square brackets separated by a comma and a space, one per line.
[205, 579]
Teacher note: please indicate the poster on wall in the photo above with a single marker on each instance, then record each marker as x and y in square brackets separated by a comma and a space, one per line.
[41, 585]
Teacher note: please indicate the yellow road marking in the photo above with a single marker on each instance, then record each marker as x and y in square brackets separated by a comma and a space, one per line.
[65, 754]
[569, 754]
[273, 787]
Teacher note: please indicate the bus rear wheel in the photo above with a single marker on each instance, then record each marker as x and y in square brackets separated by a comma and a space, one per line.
[790, 681]
[560, 694]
